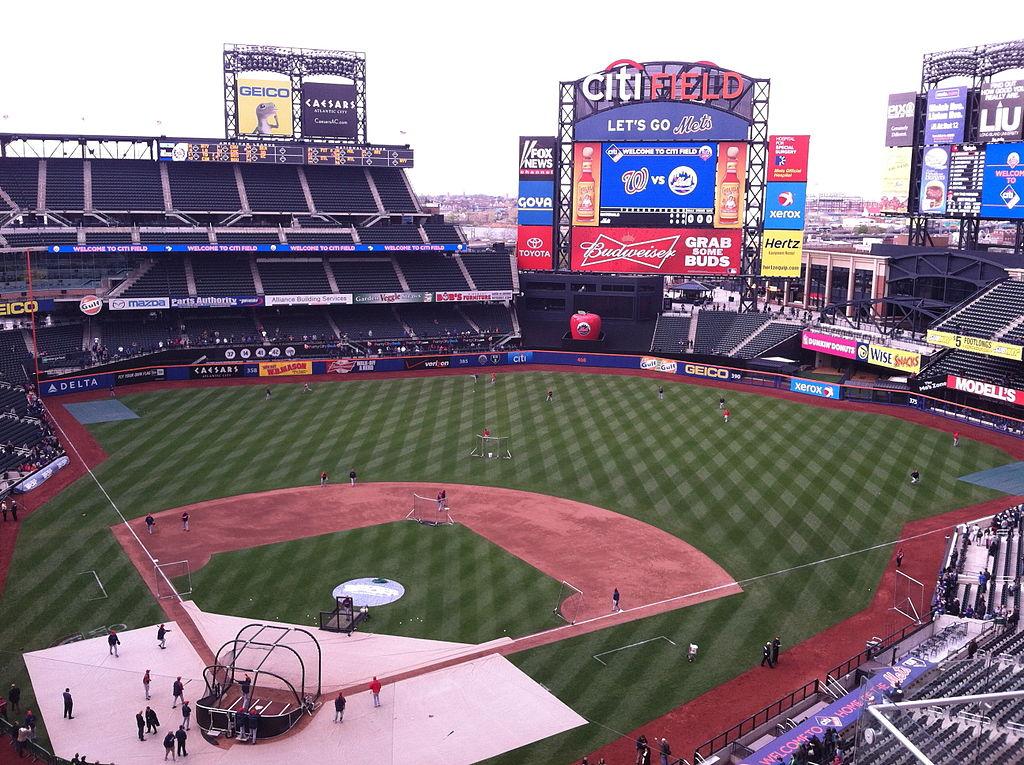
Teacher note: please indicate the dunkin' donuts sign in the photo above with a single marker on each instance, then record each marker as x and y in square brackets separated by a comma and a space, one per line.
[712, 252]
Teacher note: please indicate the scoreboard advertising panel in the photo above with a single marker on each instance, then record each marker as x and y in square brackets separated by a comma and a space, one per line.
[1002, 189]
[264, 107]
[670, 251]
[535, 204]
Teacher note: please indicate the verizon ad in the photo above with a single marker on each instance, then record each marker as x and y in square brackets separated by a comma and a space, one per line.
[534, 248]
[674, 251]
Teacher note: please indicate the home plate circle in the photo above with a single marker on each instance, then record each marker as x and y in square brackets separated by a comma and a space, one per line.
[370, 592]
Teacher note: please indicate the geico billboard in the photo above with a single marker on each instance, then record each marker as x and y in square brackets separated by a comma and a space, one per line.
[24, 307]
[264, 107]
[713, 373]
[711, 252]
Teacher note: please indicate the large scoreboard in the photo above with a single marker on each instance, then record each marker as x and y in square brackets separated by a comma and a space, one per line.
[661, 180]
[283, 153]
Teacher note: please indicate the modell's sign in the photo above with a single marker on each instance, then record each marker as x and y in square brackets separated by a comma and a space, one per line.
[988, 390]
[679, 251]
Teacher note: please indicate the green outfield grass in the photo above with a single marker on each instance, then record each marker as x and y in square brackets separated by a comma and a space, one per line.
[780, 485]
[442, 569]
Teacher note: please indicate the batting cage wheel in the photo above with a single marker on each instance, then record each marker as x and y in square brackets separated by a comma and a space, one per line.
[430, 512]
[492, 447]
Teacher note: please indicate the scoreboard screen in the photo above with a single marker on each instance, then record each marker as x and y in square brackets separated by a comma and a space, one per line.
[282, 153]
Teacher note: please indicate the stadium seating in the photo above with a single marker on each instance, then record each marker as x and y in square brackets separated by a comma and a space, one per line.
[711, 326]
[384, 233]
[300, 237]
[223, 275]
[136, 334]
[297, 324]
[432, 272]
[773, 334]
[126, 185]
[491, 318]
[203, 188]
[192, 236]
[365, 276]
[274, 188]
[489, 271]
[975, 366]
[268, 237]
[15, 361]
[340, 189]
[985, 315]
[293, 277]
[367, 322]
[671, 334]
[107, 236]
[442, 233]
[19, 178]
[65, 189]
[39, 238]
[430, 321]
[740, 329]
[164, 278]
[59, 345]
[393, 192]
[202, 328]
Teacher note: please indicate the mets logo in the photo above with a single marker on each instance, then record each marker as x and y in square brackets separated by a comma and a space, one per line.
[583, 328]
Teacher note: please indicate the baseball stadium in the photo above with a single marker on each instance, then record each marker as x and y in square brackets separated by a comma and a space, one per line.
[670, 480]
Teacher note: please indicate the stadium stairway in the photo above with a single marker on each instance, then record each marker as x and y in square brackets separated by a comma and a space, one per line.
[133, 277]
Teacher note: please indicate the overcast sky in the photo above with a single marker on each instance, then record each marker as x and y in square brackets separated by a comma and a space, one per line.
[460, 81]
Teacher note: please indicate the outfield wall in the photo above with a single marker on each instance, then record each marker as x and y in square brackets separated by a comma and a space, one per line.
[484, 363]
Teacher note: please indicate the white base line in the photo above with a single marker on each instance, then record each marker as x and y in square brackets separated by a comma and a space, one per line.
[96, 480]
[102, 589]
[631, 645]
[735, 583]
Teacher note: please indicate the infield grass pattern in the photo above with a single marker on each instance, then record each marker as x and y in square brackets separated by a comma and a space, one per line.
[780, 485]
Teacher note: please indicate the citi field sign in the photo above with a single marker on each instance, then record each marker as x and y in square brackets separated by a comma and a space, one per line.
[663, 100]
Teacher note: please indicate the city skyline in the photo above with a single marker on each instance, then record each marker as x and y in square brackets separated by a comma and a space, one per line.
[462, 93]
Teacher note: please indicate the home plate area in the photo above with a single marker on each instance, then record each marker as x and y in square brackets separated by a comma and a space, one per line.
[475, 706]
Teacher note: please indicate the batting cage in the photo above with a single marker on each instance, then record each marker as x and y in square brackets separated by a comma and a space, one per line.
[345, 617]
[430, 511]
[261, 683]
[492, 447]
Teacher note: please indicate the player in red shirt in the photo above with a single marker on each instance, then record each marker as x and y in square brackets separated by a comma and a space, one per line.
[486, 433]
[725, 415]
[956, 438]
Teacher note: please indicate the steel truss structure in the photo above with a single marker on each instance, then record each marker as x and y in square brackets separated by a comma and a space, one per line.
[296, 64]
[888, 316]
[757, 161]
[978, 64]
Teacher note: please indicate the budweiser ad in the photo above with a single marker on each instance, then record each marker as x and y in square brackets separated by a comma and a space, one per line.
[672, 251]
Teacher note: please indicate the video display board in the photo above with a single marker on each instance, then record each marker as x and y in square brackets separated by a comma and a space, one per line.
[946, 115]
[670, 251]
[282, 153]
[934, 180]
[1002, 189]
[966, 170]
[1001, 111]
[264, 107]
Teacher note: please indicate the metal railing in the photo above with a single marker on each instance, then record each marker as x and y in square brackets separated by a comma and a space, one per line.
[757, 719]
[869, 653]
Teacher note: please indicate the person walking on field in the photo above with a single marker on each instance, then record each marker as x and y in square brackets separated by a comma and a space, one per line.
[725, 415]
[14, 698]
[915, 476]
[14, 510]
[721, 403]
[665, 751]
[615, 600]
[169, 746]
[550, 396]
[352, 476]
[339, 708]
[323, 477]
[766, 654]
[899, 558]
[186, 714]
[246, 686]
[140, 721]
[113, 642]
[956, 438]
[181, 736]
[152, 722]
[69, 704]
[267, 398]
[661, 393]
[161, 639]
[776, 645]
[150, 523]
[375, 690]
[184, 521]
[3, 508]
[179, 692]
[145, 683]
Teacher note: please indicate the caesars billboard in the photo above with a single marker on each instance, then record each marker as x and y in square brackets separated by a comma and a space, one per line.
[264, 107]
[662, 101]
[329, 110]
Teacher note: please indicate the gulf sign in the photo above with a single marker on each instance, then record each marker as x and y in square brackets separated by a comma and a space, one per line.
[894, 358]
[674, 251]
[988, 390]
[534, 250]
[833, 345]
[784, 206]
[815, 388]
[787, 157]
